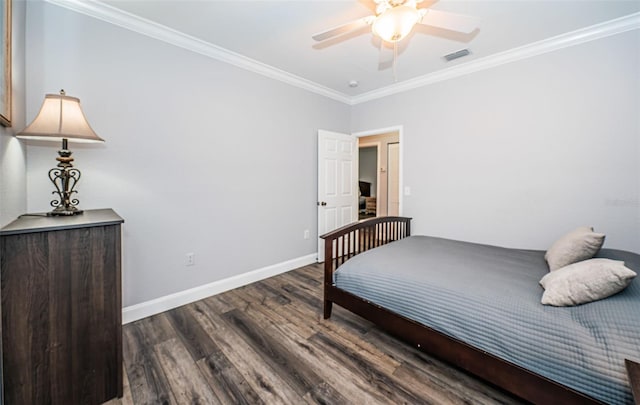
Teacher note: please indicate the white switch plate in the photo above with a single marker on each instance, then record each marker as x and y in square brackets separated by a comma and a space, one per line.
[306, 234]
[190, 259]
[407, 190]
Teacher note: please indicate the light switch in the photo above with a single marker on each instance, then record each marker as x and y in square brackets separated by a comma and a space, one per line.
[407, 190]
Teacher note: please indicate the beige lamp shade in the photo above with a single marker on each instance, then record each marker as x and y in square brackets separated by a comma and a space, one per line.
[60, 117]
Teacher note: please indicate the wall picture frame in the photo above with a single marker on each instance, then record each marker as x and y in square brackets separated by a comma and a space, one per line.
[5, 63]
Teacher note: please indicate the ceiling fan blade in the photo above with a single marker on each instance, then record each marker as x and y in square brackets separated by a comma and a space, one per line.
[343, 29]
[450, 21]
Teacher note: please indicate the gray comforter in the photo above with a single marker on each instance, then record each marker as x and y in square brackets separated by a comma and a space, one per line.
[489, 297]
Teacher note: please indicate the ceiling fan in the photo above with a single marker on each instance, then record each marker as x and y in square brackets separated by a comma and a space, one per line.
[395, 19]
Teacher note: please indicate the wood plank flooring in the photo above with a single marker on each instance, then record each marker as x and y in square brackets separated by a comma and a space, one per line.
[267, 343]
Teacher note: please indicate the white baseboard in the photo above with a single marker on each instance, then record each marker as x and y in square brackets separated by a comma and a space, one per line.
[158, 305]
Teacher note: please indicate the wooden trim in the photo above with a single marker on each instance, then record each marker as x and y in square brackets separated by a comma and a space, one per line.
[117, 242]
[508, 376]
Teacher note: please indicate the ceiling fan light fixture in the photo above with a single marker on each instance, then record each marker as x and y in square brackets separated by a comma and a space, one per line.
[396, 23]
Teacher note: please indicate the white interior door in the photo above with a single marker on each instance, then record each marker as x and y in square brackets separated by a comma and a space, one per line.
[337, 183]
[393, 179]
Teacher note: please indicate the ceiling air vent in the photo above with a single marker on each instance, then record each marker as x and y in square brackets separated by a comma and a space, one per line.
[456, 55]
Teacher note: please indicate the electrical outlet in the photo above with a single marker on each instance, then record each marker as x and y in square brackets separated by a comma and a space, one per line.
[190, 259]
[306, 234]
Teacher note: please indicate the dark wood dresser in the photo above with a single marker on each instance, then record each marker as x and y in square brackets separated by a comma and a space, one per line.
[61, 309]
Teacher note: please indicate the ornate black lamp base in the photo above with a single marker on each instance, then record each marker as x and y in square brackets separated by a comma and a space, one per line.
[60, 211]
[64, 178]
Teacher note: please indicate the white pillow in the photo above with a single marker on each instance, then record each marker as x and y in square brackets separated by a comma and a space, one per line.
[579, 244]
[585, 281]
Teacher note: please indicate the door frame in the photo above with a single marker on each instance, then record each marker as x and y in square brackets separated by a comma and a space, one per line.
[380, 131]
[378, 146]
[396, 147]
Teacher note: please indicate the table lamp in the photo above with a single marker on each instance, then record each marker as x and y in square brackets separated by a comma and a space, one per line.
[61, 118]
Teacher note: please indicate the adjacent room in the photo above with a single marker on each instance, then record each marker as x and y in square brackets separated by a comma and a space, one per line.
[188, 187]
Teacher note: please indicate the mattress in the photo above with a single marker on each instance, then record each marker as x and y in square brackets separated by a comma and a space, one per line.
[489, 297]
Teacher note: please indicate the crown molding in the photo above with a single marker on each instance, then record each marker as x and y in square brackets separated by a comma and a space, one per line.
[587, 34]
[115, 16]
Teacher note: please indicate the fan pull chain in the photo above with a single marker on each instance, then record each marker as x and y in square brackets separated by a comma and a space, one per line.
[395, 58]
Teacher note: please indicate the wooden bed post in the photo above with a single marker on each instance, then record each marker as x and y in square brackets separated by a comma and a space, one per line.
[328, 305]
[328, 276]
[354, 239]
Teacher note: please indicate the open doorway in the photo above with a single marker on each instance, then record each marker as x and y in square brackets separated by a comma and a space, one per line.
[367, 181]
[379, 174]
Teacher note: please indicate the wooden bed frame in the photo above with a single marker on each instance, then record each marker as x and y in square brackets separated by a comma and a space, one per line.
[350, 240]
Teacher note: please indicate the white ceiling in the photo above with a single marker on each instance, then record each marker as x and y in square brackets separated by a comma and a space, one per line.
[278, 33]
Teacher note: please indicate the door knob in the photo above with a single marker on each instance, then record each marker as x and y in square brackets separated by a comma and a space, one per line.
[323, 203]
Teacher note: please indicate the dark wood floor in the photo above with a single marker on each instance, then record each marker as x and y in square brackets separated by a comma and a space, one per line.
[267, 343]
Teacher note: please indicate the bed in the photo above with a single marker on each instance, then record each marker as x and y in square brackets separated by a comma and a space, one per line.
[478, 307]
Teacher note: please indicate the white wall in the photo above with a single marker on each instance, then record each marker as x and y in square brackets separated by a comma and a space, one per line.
[519, 154]
[200, 156]
[13, 185]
